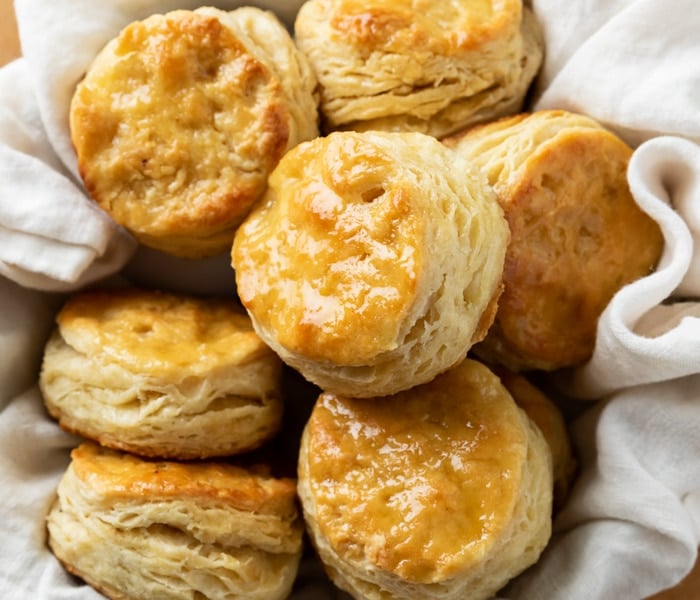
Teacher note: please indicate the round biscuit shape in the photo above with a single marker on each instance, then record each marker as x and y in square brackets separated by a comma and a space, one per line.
[373, 262]
[432, 67]
[577, 235]
[180, 119]
[441, 491]
[161, 375]
[135, 528]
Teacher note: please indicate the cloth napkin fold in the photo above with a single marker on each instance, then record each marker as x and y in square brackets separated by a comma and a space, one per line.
[630, 64]
[631, 526]
[51, 236]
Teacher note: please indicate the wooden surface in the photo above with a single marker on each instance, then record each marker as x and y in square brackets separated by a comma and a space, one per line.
[9, 44]
[689, 589]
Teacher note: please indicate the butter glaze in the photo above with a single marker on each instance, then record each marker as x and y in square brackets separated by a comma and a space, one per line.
[423, 25]
[344, 252]
[422, 483]
[157, 333]
[373, 262]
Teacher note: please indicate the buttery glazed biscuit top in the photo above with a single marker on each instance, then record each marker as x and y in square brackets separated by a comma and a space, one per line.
[266, 38]
[117, 476]
[353, 261]
[422, 483]
[176, 126]
[577, 235]
[159, 334]
[368, 247]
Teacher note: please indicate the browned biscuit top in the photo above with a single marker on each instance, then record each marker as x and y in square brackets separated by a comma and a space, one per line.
[407, 26]
[158, 333]
[115, 476]
[338, 245]
[577, 234]
[577, 237]
[176, 126]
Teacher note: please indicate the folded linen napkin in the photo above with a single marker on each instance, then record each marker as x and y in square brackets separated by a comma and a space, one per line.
[630, 64]
[51, 236]
[632, 523]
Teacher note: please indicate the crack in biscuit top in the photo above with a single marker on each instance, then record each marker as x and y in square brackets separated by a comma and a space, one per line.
[329, 260]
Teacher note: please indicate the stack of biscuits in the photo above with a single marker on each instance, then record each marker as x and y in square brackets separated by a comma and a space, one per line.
[166, 388]
[176, 126]
[401, 236]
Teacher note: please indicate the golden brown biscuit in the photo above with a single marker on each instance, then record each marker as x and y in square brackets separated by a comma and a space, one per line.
[547, 416]
[432, 67]
[135, 529]
[442, 491]
[577, 235]
[161, 374]
[373, 262]
[180, 119]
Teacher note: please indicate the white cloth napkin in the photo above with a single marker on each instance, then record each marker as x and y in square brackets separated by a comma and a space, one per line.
[51, 237]
[631, 64]
[632, 523]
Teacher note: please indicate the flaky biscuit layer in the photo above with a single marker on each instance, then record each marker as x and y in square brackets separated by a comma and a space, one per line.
[180, 119]
[152, 529]
[432, 67]
[161, 374]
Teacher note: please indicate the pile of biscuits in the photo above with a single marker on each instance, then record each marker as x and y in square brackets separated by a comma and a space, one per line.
[164, 388]
[401, 236]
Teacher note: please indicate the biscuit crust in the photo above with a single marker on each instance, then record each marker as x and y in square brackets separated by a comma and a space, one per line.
[366, 254]
[441, 491]
[177, 124]
[550, 421]
[134, 528]
[577, 235]
[161, 374]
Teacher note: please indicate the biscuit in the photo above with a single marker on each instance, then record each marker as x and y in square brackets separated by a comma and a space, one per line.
[161, 374]
[432, 67]
[577, 235]
[134, 528]
[180, 119]
[549, 419]
[441, 491]
[373, 262]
